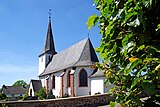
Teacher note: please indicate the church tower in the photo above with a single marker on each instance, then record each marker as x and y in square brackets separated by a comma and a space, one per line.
[48, 50]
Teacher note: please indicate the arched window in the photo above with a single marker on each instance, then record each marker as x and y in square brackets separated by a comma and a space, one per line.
[53, 81]
[83, 78]
[68, 78]
[30, 92]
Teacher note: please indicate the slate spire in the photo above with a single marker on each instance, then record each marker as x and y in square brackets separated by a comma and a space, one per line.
[49, 47]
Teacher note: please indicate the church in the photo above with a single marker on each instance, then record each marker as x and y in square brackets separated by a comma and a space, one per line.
[69, 72]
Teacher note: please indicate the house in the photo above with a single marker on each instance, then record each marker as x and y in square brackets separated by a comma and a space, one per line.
[13, 91]
[68, 72]
[34, 86]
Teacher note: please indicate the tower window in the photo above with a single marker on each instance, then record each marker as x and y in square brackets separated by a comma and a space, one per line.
[42, 59]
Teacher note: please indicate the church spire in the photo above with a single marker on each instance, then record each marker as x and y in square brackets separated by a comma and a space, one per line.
[49, 47]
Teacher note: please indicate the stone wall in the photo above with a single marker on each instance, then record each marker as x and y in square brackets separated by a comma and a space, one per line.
[84, 101]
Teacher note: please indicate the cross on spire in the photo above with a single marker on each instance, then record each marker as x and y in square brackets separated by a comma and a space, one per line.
[88, 35]
[50, 13]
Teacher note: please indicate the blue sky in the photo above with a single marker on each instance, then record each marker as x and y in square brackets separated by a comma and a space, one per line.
[23, 27]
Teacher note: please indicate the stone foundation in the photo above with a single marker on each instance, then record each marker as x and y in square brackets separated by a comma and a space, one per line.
[84, 101]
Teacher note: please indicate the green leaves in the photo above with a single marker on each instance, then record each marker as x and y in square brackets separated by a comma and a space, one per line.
[92, 20]
[131, 66]
[140, 48]
[109, 1]
[130, 44]
[112, 104]
[126, 39]
[148, 88]
[20, 83]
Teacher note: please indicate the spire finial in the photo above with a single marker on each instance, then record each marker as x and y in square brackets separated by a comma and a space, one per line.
[50, 13]
[88, 35]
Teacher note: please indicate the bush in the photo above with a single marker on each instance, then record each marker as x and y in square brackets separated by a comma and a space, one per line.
[41, 94]
[25, 97]
[19, 97]
[3, 105]
[2, 96]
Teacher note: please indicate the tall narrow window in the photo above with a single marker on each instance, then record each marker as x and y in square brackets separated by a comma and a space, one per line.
[53, 82]
[83, 78]
[30, 92]
[68, 79]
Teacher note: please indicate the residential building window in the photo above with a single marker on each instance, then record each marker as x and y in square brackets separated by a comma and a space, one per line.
[68, 78]
[53, 81]
[83, 78]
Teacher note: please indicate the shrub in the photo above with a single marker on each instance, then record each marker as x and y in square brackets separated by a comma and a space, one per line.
[2, 96]
[25, 97]
[41, 94]
[3, 105]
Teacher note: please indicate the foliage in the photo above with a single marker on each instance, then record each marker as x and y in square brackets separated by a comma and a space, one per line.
[25, 97]
[131, 41]
[2, 96]
[3, 105]
[20, 97]
[41, 94]
[50, 95]
[20, 83]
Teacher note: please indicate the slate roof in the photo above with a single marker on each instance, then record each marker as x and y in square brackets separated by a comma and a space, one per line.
[49, 42]
[98, 74]
[13, 90]
[79, 54]
[36, 85]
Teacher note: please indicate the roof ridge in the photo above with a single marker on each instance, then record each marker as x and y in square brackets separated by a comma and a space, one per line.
[70, 46]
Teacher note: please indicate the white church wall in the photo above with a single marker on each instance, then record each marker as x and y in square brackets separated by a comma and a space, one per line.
[67, 90]
[43, 80]
[43, 60]
[56, 90]
[42, 63]
[79, 91]
[98, 82]
[58, 84]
